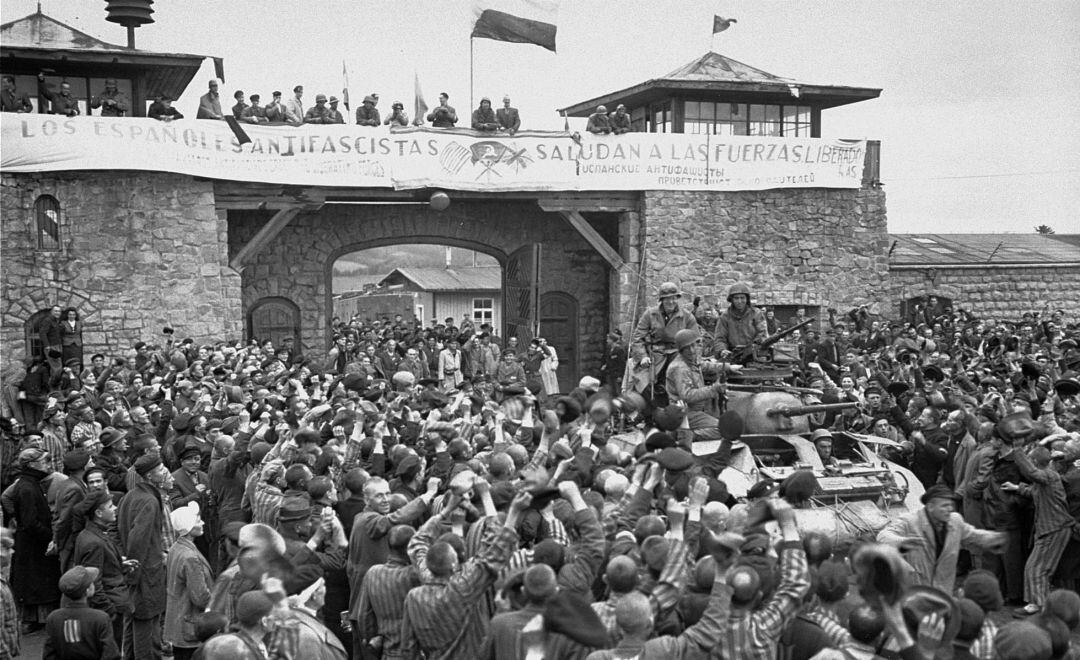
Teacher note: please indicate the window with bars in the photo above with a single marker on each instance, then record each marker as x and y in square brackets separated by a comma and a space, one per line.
[47, 217]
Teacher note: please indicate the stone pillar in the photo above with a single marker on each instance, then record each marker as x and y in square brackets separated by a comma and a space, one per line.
[627, 286]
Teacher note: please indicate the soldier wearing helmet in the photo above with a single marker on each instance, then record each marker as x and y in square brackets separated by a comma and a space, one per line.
[653, 343]
[741, 324]
[686, 383]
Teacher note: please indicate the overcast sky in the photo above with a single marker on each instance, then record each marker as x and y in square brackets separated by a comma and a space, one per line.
[978, 114]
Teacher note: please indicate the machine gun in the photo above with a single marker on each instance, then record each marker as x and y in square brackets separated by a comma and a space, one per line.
[750, 353]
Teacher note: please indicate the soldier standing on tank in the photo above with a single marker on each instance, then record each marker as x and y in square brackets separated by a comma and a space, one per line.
[653, 343]
[740, 325]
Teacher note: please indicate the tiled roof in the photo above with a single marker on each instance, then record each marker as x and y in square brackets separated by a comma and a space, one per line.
[714, 66]
[448, 279]
[969, 249]
[41, 31]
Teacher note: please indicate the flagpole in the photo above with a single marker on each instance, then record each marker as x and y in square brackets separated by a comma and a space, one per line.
[471, 41]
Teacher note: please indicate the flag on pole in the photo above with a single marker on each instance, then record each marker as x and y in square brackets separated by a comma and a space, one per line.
[720, 24]
[345, 83]
[420, 106]
[517, 21]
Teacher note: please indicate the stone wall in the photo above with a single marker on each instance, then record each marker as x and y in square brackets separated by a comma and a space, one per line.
[997, 292]
[138, 251]
[297, 264]
[812, 247]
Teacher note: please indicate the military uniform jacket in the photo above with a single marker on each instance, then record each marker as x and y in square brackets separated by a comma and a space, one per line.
[739, 329]
[685, 382]
[654, 334]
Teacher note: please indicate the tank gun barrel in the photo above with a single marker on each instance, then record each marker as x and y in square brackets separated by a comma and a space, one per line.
[795, 411]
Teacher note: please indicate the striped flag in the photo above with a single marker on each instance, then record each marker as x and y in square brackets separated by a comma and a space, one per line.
[420, 106]
[345, 85]
[517, 21]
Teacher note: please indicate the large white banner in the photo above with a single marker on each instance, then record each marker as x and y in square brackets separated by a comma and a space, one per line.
[456, 159]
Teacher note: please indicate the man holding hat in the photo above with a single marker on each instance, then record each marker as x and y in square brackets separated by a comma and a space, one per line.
[930, 538]
[75, 630]
[653, 347]
[1054, 525]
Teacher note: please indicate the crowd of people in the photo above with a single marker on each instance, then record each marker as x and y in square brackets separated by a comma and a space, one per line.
[435, 492]
[250, 109]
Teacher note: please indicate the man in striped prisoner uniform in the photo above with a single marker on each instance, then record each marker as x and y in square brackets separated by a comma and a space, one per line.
[751, 631]
[76, 630]
[442, 618]
[1053, 524]
[382, 595]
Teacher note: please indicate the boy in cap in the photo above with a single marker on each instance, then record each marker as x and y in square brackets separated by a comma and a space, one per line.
[76, 630]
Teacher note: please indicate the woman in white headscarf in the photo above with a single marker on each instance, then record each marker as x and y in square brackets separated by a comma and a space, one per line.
[188, 581]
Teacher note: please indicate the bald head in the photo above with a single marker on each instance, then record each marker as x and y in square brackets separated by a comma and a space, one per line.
[540, 584]
[714, 516]
[519, 455]
[615, 486]
[224, 647]
[649, 526]
[399, 537]
[621, 574]
[634, 614]
[501, 466]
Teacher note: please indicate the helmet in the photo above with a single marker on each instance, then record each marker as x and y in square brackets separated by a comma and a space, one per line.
[736, 289]
[668, 289]
[684, 338]
[820, 434]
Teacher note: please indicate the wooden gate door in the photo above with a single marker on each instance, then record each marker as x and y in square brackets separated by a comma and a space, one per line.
[559, 325]
[521, 285]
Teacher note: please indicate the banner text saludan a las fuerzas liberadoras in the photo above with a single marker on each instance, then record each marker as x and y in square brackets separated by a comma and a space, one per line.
[456, 159]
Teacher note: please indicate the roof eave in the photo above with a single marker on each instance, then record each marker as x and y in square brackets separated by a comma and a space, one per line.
[825, 96]
[118, 55]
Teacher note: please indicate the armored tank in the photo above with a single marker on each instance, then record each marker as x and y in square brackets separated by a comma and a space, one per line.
[857, 493]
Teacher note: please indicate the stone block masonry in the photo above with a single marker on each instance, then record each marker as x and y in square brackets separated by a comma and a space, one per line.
[814, 247]
[138, 251]
[994, 291]
[297, 263]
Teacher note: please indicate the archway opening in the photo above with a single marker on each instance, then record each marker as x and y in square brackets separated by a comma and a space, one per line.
[424, 284]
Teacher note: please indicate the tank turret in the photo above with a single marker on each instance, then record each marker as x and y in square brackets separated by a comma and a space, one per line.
[779, 411]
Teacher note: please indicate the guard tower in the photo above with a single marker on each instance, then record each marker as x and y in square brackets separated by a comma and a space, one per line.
[38, 43]
[717, 95]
